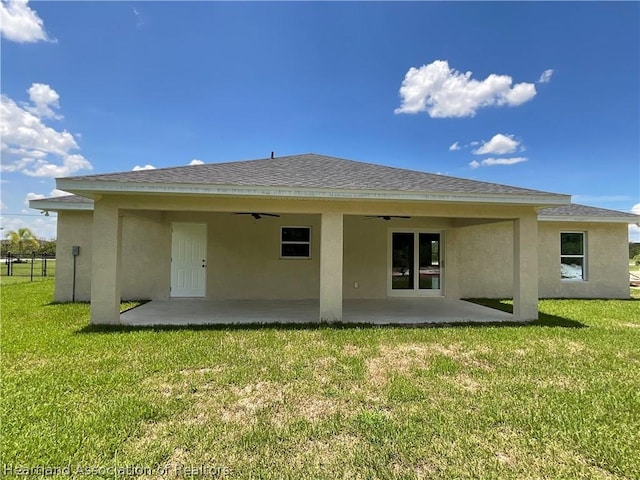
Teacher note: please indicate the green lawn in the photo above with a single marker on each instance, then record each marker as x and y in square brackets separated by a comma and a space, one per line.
[557, 399]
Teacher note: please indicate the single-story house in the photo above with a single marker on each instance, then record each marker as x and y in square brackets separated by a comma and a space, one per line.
[317, 227]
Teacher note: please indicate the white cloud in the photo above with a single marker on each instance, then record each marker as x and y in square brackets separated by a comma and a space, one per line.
[454, 147]
[42, 227]
[70, 164]
[444, 92]
[59, 193]
[3, 206]
[634, 230]
[145, 167]
[519, 94]
[33, 196]
[490, 162]
[195, 161]
[43, 97]
[25, 132]
[139, 20]
[19, 23]
[499, 145]
[31, 147]
[546, 76]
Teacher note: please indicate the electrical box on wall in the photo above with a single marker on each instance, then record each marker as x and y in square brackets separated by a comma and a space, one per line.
[75, 250]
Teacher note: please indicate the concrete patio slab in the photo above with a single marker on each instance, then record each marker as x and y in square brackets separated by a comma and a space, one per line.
[409, 311]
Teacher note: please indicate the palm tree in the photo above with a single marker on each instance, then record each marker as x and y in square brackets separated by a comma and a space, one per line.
[22, 239]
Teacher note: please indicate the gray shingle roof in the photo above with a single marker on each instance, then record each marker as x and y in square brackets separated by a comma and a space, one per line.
[309, 171]
[67, 199]
[66, 202]
[574, 210]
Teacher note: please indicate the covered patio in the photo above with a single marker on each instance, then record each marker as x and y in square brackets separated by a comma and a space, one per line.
[251, 240]
[398, 311]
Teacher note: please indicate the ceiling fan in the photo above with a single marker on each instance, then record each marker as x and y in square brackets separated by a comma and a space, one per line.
[257, 215]
[385, 217]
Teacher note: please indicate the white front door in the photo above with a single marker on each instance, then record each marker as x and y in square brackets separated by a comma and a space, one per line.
[188, 259]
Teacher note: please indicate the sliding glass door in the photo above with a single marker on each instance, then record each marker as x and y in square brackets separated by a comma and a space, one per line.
[416, 266]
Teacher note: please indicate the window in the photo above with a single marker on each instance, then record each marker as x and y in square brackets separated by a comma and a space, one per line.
[415, 266]
[572, 256]
[295, 242]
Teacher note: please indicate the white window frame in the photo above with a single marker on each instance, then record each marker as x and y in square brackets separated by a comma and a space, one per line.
[283, 242]
[583, 257]
[416, 292]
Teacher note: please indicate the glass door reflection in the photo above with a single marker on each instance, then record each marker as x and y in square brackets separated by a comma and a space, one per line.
[429, 261]
[416, 262]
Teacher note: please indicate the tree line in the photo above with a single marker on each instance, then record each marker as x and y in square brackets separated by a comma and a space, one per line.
[23, 242]
[634, 252]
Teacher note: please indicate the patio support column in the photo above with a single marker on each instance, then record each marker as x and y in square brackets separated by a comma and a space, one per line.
[105, 263]
[331, 267]
[451, 265]
[525, 267]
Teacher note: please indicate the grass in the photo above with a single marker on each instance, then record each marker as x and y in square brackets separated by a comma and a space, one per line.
[555, 399]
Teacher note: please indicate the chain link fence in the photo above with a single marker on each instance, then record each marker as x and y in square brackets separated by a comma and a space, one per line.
[28, 265]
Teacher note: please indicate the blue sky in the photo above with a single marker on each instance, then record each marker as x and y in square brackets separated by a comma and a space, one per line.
[538, 95]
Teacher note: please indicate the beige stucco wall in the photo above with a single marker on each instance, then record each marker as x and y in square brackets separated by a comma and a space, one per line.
[484, 257]
[486, 262]
[365, 257]
[366, 251]
[243, 254]
[244, 258]
[145, 243]
[146, 255]
[607, 261]
[74, 228]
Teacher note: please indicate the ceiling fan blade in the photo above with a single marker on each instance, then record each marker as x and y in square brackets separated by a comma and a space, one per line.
[385, 217]
[257, 215]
